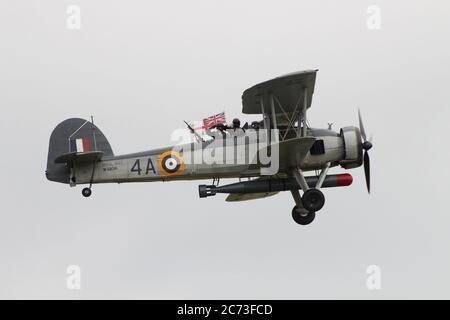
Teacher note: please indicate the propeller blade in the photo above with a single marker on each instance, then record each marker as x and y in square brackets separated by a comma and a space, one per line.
[361, 126]
[367, 169]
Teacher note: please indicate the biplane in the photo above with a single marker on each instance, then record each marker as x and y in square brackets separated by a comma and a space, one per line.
[270, 156]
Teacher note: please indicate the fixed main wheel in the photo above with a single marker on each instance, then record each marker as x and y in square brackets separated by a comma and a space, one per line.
[86, 192]
[313, 200]
[302, 216]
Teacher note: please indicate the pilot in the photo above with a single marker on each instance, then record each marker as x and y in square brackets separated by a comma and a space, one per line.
[236, 123]
[217, 131]
[255, 125]
[236, 128]
[221, 127]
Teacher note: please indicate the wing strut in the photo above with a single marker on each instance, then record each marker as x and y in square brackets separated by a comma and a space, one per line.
[274, 116]
[305, 105]
[265, 119]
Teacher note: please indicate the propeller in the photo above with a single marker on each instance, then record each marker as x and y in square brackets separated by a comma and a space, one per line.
[367, 145]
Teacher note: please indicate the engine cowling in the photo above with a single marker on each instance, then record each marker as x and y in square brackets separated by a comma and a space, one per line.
[352, 147]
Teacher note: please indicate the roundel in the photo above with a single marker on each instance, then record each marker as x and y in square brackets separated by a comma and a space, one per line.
[170, 163]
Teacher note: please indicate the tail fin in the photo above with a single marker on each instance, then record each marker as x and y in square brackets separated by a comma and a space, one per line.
[73, 135]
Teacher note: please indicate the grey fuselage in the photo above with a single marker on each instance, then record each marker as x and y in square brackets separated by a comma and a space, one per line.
[147, 166]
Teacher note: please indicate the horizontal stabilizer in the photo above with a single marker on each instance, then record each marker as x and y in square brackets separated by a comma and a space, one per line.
[89, 156]
[234, 197]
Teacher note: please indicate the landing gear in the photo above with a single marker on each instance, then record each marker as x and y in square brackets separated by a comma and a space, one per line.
[313, 200]
[303, 216]
[299, 213]
[86, 192]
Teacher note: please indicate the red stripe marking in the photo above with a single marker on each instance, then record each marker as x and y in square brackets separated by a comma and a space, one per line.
[344, 179]
[85, 144]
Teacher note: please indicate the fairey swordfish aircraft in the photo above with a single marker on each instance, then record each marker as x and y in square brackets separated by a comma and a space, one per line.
[268, 157]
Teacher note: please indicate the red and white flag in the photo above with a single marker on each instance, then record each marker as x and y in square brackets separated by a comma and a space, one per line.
[214, 120]
[80, 145]
[198, 128]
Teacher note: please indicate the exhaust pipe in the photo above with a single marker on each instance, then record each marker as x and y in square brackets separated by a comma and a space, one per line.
[273, 185]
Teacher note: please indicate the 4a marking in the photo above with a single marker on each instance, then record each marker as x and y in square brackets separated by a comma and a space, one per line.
[148, 168]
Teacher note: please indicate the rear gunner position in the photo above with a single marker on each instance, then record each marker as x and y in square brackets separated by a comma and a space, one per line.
[79, 153]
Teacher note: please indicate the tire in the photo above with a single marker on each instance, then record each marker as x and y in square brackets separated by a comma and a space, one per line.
[313, 200]
[86, 192]
[303, 218]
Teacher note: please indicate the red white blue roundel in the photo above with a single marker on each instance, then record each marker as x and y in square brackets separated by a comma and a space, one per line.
[171, 163]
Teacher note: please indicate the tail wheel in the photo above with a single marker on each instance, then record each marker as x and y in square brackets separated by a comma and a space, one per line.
[313, 200]
[86, 192]
[302, 216]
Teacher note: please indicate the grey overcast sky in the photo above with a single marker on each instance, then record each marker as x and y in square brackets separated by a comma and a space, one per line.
[141, 67]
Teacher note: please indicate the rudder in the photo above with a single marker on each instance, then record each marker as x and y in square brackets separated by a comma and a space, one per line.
[73, 135]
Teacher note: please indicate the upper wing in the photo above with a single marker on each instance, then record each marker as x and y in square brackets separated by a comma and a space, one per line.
[288, 92]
